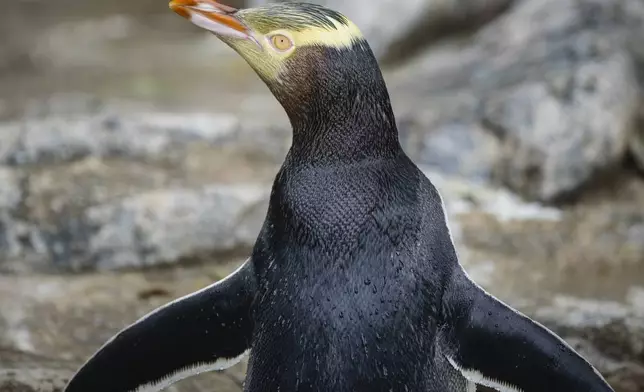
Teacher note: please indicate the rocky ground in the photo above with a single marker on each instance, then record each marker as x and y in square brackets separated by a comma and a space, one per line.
[137, 153]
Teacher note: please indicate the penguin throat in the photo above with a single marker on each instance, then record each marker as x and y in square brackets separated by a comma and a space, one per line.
[346, 131]
[342, 111]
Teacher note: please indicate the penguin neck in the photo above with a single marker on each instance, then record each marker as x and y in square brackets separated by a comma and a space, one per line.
[345, 131]
[345, 114]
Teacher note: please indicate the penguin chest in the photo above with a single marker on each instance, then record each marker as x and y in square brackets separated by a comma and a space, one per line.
[356, 328]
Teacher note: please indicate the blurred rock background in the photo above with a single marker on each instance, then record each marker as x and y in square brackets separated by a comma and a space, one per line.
[137, 153]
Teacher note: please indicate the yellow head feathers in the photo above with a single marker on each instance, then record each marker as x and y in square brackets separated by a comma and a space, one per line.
[267, 36]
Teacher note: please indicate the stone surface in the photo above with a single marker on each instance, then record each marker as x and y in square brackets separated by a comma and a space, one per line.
[603, 240]
[636, 142]
[612, 329]
[27, 372]
[609, 334]
[560, 131]
[13, 229]
[83, 202]
[417, 23]
[10, 189]
[49, 325]
[455, 147]
[615, 328]
[559, 96]
[72, 180]
[157, 227]
[164, 227]
[554, 145]
[598, 238]
[148, 136]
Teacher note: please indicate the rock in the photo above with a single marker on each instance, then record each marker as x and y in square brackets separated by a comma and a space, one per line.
[10, 189]
[9, 139]
[57, 322]
[67, 105]
[160, 227]
[117, 191]
[25, 372]
[148, 136]
[588, 238]
[83, 226]
[636, 142]
[559, 97]
[464, 196]
[609, 334]
[20, 241]
[614, 328]
[552, 144]
[48, 209]
[442, 131]
[417, 23]
[29, 372]
[15, 232]
[451, 147]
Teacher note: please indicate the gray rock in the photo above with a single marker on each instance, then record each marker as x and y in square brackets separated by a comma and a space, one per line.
[637, 149]
[560, 96]
[458, 148]
[616, 329]
[28, 372]
[160, 227]
[417, 23]
[19, 240]
[9, 139]
[64, 105]
[444, 133]
[145, 136]
[554, 144]
[602, 242]
[32, 380]
[609, 334]
[15, 232]
[10, 189]
[51, 324]
[101, 191]
[463, 196]
[636, 142]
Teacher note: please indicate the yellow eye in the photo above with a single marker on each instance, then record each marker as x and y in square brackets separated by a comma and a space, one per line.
[281, 42]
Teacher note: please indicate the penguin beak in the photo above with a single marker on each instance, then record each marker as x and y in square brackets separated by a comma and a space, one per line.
[217, 18]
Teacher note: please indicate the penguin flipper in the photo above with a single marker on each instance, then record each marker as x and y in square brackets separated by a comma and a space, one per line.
[208, 330]
[493, 345]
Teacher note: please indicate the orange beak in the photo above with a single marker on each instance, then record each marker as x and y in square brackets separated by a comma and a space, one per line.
[212, 16]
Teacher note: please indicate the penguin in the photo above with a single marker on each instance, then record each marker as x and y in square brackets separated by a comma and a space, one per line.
[354, 282]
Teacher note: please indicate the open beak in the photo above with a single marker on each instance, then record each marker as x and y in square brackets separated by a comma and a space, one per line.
[212, 16]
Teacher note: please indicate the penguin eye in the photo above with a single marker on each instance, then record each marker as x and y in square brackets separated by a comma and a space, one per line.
[281, 42]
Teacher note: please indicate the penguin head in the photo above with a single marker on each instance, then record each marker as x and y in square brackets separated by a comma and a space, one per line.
[301, 51]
